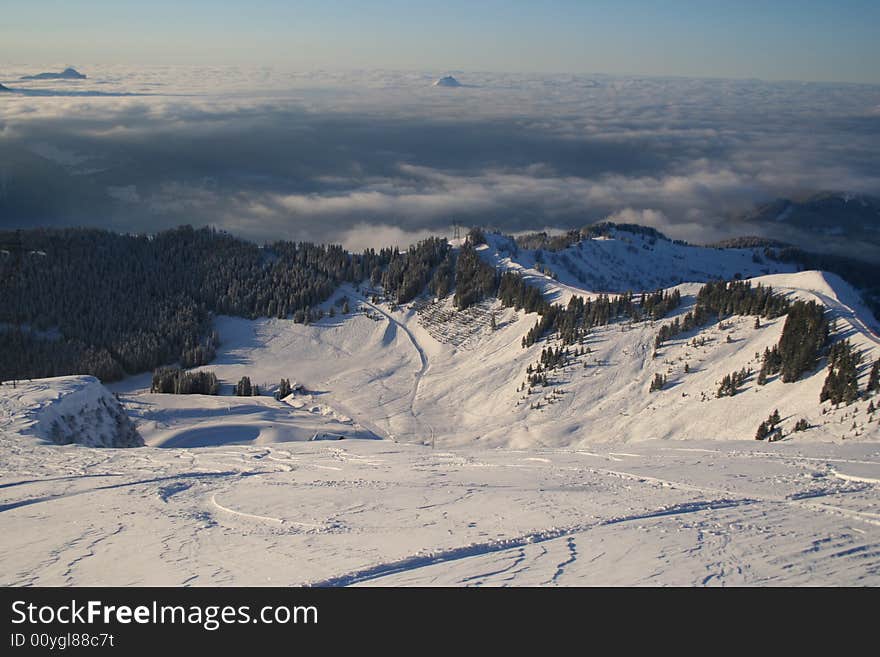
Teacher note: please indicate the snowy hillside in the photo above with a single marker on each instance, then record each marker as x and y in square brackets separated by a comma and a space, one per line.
[65, 410]
[429, 374]
[200, 420]
[628, 261]
[600, 480]
[371, 512]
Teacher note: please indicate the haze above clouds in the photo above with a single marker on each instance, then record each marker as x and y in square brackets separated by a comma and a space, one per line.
[369, 157]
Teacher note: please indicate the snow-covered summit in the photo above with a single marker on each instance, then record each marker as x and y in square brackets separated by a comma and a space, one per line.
[621, 260]
[447, 81]
[64, 410]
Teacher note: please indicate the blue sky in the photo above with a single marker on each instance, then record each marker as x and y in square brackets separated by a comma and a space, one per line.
[779, 40]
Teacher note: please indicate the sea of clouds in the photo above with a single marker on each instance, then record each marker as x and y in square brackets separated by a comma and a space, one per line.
[369, 158]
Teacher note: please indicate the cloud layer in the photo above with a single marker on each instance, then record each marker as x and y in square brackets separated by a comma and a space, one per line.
[366, 157]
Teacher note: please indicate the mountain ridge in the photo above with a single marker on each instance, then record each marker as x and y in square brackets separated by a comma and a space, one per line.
[68, 73]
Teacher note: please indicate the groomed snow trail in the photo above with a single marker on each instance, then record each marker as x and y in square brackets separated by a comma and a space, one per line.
[419, 375]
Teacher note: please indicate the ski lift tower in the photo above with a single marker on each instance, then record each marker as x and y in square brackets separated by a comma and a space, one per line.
[13, 249]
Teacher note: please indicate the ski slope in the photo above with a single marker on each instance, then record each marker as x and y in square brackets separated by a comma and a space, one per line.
[448, 473]
[379, 513]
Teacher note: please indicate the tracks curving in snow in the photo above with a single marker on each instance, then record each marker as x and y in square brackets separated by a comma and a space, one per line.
[423, 360]
[242, 514]
[418, 561]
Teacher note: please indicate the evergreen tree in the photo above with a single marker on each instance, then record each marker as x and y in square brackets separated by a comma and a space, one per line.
[720, 299]
[284, 389]
[173, 380]
[803, 336]
[874, 378]
[841, 384]
[244, 388]
[474, 279]
[658, 383]
[731, 382]
[763, 431]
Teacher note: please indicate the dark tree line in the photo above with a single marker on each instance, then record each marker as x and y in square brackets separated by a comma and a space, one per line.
[122, 304]
[553, 358]
[475, 280]
[476, 236]
[771, 363]
[514, 292]
[721, 299]
[24, 355]
[804, 336]
[731, 383]
[407, 273]
[548, 242]
[175, 381]
[244, 388]
[574, 321]
[741, 298]
[658, 304]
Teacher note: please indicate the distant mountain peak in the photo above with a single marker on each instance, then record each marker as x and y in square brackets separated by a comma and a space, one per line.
[839, 222]
[69, 73]
[447, 81]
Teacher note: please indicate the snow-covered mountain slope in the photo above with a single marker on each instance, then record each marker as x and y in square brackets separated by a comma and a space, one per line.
[421, 373]
[628, 261]
[65, 410]
[580, 495]
[604, 395]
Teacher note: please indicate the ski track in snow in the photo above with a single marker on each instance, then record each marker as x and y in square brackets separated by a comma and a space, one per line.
[703, 533]
[423, 360]
[418, 562]
[468, 551]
